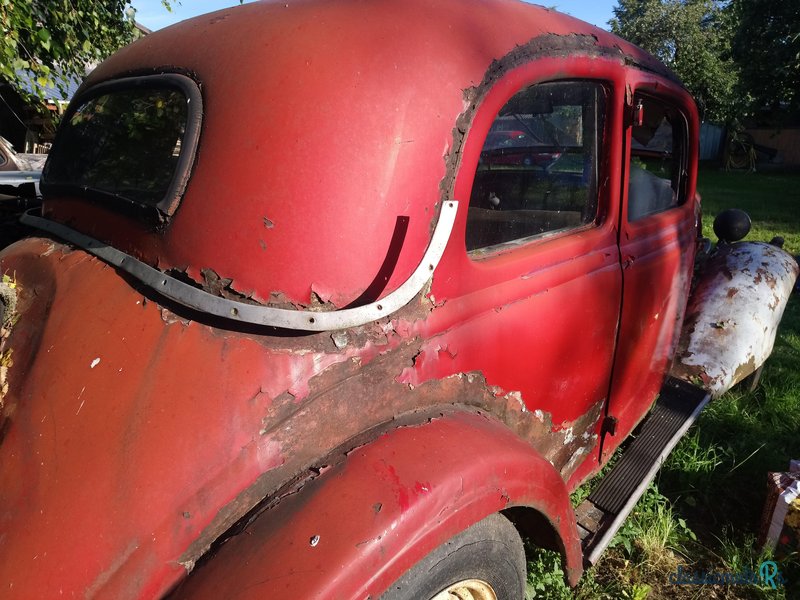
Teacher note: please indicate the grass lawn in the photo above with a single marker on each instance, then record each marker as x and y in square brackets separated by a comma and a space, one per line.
[702, 513]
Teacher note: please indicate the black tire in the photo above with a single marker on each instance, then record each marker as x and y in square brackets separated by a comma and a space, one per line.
[490, 551]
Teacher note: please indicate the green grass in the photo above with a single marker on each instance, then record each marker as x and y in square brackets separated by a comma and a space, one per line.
[703, 511]
[771, 200]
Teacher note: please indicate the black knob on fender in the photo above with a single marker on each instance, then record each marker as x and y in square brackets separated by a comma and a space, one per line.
[731, 225]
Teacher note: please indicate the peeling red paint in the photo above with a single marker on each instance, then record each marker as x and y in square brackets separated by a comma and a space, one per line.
[201, 427]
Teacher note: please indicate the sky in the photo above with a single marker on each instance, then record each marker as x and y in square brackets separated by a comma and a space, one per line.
[153, 15]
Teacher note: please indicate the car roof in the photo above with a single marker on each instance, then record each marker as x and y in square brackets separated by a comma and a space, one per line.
[326, 129]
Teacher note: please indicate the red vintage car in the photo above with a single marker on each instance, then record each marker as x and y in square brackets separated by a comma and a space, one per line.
[284, 333]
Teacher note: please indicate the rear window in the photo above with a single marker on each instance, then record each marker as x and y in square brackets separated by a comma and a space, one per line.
[131, 140]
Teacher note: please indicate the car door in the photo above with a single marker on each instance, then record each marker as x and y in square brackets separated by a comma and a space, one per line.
[528, 291]
[657, 242]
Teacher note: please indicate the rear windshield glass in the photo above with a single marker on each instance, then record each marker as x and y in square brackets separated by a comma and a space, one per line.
[127, 142]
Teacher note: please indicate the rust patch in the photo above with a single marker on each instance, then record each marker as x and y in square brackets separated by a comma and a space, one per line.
[745, 369]
[171, 318]
[733, 314]
[340, 339]
[576, 439]
[319, 301]
[280, 300]
[351, 403]
[223, 287]
[547, 45]
[763, 274]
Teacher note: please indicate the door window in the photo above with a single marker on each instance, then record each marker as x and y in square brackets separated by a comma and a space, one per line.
[657, 174]
[538, 169]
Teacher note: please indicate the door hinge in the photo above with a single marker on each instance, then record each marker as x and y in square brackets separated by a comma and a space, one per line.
[609, 426]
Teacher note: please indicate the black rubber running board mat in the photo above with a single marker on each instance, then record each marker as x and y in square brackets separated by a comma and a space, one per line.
[677, 402]
[607, 506]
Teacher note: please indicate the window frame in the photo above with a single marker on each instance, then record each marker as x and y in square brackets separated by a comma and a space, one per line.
[683, 180]
[167, 206]
[486, 252]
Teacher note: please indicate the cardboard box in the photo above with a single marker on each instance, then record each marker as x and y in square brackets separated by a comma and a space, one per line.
[780, 522]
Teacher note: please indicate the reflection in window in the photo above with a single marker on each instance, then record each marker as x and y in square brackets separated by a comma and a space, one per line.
[538, 168]
[123, 143]
[657, 174]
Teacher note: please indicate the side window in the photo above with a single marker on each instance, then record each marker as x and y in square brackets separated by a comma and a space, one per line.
[538, 169]
[657, 173]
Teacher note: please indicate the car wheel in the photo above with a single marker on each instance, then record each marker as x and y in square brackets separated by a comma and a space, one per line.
[484, 562]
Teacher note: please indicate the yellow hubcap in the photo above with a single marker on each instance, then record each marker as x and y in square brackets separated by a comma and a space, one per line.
[469, 589]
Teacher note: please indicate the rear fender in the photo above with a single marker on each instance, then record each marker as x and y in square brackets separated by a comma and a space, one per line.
[359, 526]
[733, 314]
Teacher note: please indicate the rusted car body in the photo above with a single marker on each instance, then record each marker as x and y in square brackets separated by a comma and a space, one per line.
[333, 340]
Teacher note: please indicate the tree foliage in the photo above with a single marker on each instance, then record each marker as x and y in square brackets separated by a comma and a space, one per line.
[693, 38]
[766, 45]
[739, 58]
[45, 41]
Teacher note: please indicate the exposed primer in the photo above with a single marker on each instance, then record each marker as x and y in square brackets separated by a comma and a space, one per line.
[733, 315]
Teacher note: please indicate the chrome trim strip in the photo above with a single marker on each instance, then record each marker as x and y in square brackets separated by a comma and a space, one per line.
[302, 320]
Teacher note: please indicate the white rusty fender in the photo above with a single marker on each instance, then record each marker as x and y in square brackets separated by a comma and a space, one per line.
[733, 314]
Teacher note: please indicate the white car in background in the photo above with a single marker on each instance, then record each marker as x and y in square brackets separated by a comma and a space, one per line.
[19, 173]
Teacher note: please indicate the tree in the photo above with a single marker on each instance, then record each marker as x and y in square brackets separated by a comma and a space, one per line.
[693, 38]
[767, 48]
[44, 41]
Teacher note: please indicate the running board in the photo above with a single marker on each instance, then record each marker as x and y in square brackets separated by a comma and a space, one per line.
[602, 514]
